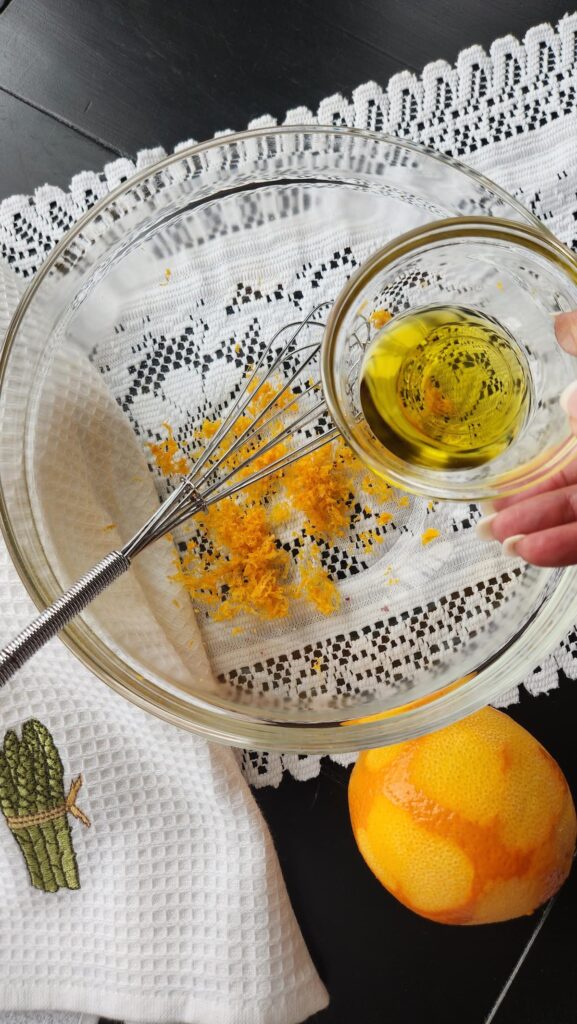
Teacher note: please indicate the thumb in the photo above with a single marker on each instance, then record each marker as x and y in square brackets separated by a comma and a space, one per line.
[566, 331]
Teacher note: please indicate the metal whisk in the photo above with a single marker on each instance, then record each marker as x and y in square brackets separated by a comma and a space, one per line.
[216, 474]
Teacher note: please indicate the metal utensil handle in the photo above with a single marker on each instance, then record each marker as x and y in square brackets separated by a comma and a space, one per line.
[59, 614]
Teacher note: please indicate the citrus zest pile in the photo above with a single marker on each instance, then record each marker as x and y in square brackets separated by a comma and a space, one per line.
[237, 564]
[244, 564]
[243, 568]
[320, 485]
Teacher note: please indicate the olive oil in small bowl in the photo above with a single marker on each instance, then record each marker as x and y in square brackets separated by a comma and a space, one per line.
[440, 364]
[445, 387]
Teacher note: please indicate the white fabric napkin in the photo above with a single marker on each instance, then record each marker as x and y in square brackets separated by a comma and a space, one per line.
[181, 914]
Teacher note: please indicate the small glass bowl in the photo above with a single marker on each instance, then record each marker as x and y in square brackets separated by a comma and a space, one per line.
[518, 275]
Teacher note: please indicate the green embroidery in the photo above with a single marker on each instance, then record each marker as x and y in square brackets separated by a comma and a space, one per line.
[36, 810]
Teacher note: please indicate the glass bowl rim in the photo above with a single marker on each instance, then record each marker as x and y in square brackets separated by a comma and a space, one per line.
[241, 728]
[422, 482]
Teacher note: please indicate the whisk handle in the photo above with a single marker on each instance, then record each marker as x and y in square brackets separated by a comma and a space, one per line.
[59, 614]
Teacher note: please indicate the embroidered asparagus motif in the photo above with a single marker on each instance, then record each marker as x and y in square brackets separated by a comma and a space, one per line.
[36, 809]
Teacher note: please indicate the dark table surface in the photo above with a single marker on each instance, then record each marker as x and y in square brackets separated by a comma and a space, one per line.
[81, 83]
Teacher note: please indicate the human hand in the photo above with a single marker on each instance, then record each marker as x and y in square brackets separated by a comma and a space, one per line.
[540, 525]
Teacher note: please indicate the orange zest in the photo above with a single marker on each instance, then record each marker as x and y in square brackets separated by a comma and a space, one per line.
[168, 456]
[317, 588]
[246, 572]
[380, 317]
[429, 535]
[237, 563]
[320, 487]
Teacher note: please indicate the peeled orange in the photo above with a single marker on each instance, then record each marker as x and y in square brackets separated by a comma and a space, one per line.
[469, 825]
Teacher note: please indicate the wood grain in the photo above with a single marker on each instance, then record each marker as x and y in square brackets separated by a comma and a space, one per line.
[135, 73]
[37, 148]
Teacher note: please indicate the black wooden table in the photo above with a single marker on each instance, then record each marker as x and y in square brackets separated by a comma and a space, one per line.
[82, 82]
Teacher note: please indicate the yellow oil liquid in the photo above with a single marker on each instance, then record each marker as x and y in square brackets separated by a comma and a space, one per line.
[445, 387]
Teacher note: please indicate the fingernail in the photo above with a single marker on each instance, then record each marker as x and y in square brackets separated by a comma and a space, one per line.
[568, 399]
[510, 545]
[566, 331]
[487, 508]
[484, 528]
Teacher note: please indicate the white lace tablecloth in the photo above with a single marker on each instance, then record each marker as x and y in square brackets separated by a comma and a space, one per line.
[512, 114]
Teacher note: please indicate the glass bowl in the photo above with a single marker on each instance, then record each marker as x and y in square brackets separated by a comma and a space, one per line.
[515, 275]
[149, 310]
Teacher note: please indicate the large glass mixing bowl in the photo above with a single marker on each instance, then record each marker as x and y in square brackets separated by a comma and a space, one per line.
[149, 310]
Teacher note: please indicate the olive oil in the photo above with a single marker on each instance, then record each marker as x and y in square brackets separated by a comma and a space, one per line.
[445, 387]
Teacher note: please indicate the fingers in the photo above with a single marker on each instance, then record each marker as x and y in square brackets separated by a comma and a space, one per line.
[553, 548]
[566, 478]
[566, 333]
[541, 529]
[543, 512]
